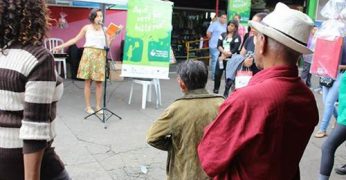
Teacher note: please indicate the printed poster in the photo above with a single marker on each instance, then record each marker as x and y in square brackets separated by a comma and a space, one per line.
[241, 7]
[148, 39]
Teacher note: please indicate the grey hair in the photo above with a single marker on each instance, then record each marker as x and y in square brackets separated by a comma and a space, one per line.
[285, 51]
[193, 73]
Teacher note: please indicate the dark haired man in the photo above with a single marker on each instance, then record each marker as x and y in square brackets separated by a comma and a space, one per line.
[179, 129]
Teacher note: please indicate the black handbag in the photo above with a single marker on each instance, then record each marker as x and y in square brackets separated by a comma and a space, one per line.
[326, 82]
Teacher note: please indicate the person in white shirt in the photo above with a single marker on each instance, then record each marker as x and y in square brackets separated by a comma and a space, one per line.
[92, 64]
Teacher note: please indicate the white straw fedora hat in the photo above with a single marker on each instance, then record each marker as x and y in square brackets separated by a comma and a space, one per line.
[287, 26]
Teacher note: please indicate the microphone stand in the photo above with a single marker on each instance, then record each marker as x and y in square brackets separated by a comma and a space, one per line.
[104, 108]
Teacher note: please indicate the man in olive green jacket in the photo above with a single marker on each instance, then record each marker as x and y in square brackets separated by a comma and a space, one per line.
[179, 129]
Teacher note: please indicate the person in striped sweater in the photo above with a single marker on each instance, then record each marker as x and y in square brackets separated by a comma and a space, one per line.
[29, 91]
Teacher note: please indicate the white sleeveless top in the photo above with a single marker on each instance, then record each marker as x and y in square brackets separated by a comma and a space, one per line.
[94, 39]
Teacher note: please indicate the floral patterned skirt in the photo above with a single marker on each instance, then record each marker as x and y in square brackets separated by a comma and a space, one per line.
[92, 64]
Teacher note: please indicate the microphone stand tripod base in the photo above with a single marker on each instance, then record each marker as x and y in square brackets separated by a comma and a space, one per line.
[104, 115]
[104, 108]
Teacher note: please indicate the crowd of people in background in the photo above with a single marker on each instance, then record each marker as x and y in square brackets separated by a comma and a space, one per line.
[238, 53]
[271, 118]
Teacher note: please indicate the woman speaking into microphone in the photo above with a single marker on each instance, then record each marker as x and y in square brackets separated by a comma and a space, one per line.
[92, 64]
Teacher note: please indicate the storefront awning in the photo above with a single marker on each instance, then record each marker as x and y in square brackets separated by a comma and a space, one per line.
[205, 4]
[110, 2]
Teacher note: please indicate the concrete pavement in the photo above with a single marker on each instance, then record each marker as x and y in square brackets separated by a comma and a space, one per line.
[120, 152]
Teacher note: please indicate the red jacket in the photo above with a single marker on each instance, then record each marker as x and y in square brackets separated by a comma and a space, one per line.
[262, 130]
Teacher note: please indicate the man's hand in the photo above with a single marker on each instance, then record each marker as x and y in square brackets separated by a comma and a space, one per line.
[248, 62]
[342, 67]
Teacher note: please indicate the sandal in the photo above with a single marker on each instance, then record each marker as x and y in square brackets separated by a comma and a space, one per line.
[99, 111]
[89, 110]
[320, 134]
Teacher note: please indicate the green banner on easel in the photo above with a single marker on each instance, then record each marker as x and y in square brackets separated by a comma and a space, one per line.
[241, 7]
[148, 39]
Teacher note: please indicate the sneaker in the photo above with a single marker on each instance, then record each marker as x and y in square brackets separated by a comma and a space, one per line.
[341, 170]
[216, 91]
[320, 134]
[89, 110]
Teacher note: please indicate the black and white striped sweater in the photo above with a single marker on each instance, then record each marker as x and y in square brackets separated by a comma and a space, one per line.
[29, 90]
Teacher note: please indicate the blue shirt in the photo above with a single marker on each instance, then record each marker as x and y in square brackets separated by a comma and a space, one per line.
[216, 29]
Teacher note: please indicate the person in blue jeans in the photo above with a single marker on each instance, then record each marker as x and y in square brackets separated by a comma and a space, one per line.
[337, 137]
[213, 33]
[330, 96]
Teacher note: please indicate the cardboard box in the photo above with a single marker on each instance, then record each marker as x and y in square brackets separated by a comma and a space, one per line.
[115, 71]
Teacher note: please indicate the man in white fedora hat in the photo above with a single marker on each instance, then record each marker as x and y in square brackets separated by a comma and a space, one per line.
[262, 129]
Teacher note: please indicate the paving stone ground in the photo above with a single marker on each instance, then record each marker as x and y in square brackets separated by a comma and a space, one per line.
[119, 152]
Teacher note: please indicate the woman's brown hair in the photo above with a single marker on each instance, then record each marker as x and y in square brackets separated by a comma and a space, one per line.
[24, 22]
[93, 14]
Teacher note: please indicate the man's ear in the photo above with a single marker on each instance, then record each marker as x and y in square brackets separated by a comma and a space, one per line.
[263, 44]
[182, 85]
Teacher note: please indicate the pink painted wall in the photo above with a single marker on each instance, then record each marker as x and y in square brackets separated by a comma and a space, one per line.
[77, 18]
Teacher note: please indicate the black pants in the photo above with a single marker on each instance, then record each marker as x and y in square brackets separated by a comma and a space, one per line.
[336, 138]
[306, 75]
[218, 75]
[63, 176]
[229, 84]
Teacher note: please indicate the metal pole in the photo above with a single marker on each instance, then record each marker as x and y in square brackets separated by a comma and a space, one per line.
[217, 8]
[103, 9]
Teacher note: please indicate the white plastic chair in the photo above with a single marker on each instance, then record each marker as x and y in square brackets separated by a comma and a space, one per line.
[147, 83]
[50, 43]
